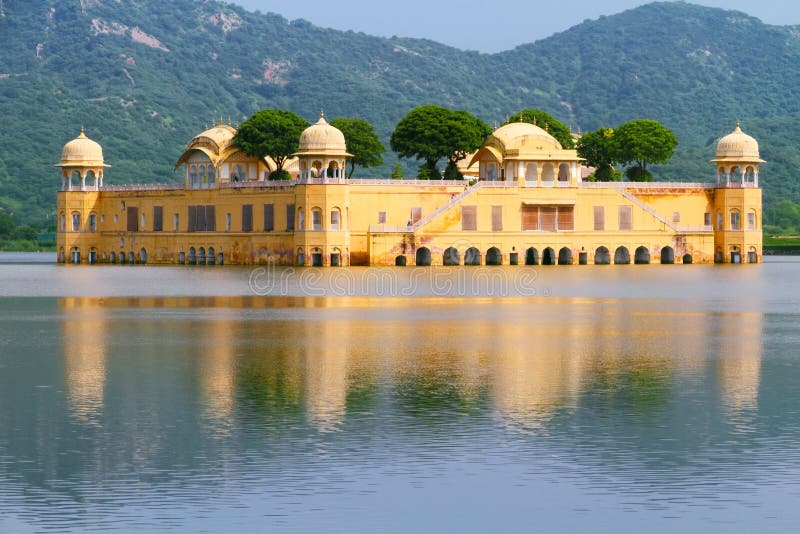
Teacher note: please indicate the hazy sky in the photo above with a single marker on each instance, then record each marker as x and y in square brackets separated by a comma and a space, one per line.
[485, 25]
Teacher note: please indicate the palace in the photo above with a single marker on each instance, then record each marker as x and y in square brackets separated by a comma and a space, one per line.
[528, 205]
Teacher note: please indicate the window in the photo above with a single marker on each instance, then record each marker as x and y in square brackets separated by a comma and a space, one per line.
[719, 221]
[497, 218]
[469, 217]
[92, 222]
[625, 218]
[133, 219]
[316, 219]
[547, 218]
[530, 217]
[269, 217]
[735, 220]
[599, 218]
[143, 221]
[116, 218]
[751, 221]
[381, 217]
[707, 219]
[676, 217]
[247, 218]
[176, 220]
[227, 222]
[202, 219]
[122, 205]
[158, 218]
[63, 223]
[290, 217]
[76, 222]
[565, 218]
[335, 219]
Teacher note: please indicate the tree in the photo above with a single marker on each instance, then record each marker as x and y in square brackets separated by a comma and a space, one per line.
[555, 127]
[597, 150]
[362, 143]
[430, 133]
[271, 132]
[397, 173]
[6, 224]
[642, 142]
[784, 215]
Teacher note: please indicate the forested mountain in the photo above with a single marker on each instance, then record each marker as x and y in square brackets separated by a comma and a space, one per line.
[144, 76]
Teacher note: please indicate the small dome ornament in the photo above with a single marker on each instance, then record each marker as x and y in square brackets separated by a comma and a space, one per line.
[738, 147]
[82, 152]
[322, 138]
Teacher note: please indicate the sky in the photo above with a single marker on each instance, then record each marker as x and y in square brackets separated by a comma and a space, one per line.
[483, 25]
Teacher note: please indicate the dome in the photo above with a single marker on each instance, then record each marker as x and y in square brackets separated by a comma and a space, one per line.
[518, 135]
[220, 135]
[322, 137]
[737, 146]
[82, 152]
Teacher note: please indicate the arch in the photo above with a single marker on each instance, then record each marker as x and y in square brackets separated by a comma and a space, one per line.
[400, 261]
[301, 256]
[212, 174]
[641, 256]
[472, 256]
[336, 219]
[192, 256]
[123, 259]
[316, 169]
[90, 175]
[548, 172]
[565, 256]
[62, 257]
[131, 258]
[687, 259]
[316, 218]
[667, 255]
[201, 256]
[548, 256]
[316, 258]
[212, 258]
[92, 222]
[423, 257]
[752, 220]
[736, 174]
[301, 219]
[622, 256]
[563, 172]
[143, 256]
[494, 256]
[76, 256]
[112, 257]
[76, 221]
[602, 256]
[220, 259]
[451, 256]
[735, 219]
[63, 218]
[752, 255]
[531, 172]
[531, 256]
[76, 176]
[718, 256]
[336, 257]
[182, 258]
[193, 176]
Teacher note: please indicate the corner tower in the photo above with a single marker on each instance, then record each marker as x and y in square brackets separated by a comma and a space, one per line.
[737, 200]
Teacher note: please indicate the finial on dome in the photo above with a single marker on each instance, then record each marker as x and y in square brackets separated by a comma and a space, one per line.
[321, 113]
[520, 118]
[82, 135]
[494, 127]
[213, 122]
[547, 127]
[534, 120]
[230, 122]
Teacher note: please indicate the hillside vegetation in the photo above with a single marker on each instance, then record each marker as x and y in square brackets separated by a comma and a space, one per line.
[143, 77]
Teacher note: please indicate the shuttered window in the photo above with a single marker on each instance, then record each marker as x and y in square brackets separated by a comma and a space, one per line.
[133, 219]
[381, 217]
[566, 218]
[247, 218]
[547, 218]
[290, 217]
[497, 218]
[269, 217]
[202, 219]
[625, 218]
[599, 218]
[469, 217]
[158, 218]
[530, 217]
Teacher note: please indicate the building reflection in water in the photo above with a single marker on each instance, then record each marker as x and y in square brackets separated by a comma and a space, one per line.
[739, 363]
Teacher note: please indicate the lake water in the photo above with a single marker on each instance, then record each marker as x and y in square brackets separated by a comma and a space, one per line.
[524, 399]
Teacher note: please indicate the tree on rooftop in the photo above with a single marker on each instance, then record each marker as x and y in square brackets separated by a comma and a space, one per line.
[362, 142]
[555, 127]
[274, 133]
[597, 150]
[431, 133]
[642, 142]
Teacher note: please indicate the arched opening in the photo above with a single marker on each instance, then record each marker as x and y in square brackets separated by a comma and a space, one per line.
[182, 258]
[92, 258]
[622, 256]
[112, 257]
[131, 257]
[333, 169]
[563, 173]
[531, 256]
[193, 181]
[423, 257]
[472, 256]
[301, 256]
[718, 256]
[201, 256]
[735, 219]
[451, 256]
[316, 257]
[336, 257]
[143, 256]
[220, 259]
[565, 256]
[602, 256]
[641, 256]
[548, 256]
[63, 219]
[76, 221]
[400, 261]
[90, 180]
[548, 173]
[752, 255]
[76, 256]
[212, 258]
[123, 259]
[687, 259]
[316, 169]
[736, 255]
[336, 219]
[494, 256]
[316, 219]
[750, 175]
[192, 256]
[301, 219]
[212, 174]
[736, 175]
[667, 255]
[531, 172]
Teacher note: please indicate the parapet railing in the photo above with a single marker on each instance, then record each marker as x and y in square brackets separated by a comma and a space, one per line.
[648, 185]
[143, 187]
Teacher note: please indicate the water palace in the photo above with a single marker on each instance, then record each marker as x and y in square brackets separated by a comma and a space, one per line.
[529, 205]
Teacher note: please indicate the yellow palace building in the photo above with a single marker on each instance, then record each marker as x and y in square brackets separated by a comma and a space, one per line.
[529, 205]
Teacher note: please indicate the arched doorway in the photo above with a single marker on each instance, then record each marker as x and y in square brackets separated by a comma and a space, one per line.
[472, 256]
[92, 256]
[548, 256]
[400, 261]
[201, 256]
[316, 258]
[565, 256]
[122, 258]
[143, 256]
[76, 256]
[602, 256]
[622, 256]
[182, 258]
[211, 256]
[494, 256]
[531, 256]
[667, 255]
[451, 256]
[112, 257]
[192, 256]
[641, 256]
[687, 259]
[423, 257]
[752, 255]
[336, 257]
[131, 258]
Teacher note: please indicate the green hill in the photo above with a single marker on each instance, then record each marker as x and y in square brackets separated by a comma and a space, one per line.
[143, 77]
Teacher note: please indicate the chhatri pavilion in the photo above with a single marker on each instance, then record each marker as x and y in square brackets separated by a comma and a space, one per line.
[529, 204]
